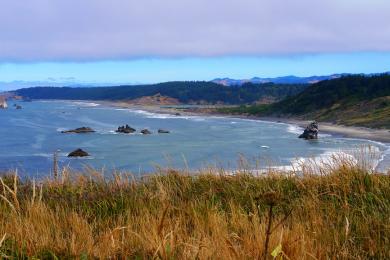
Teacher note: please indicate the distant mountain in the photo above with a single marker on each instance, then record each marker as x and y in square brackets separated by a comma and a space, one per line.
[18, 84]
[283, 80]
[278, 80]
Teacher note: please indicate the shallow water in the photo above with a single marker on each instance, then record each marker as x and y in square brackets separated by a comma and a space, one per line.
[30, 136]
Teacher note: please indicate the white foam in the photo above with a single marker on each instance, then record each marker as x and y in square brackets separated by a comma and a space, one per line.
[294, 129]
[329, 159]
[85, 104]
[46, 155]
[148, 114]
[265, 146]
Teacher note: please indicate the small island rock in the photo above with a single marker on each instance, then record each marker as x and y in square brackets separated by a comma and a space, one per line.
[162, 131]
[80, 130]
[125, 129]
[78, 153]
[311, 131]
[145, 132]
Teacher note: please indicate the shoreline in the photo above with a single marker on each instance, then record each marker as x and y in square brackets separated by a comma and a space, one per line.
[378, 135]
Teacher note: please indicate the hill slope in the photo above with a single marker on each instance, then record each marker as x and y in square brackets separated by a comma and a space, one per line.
[350, 100]
[185, 92]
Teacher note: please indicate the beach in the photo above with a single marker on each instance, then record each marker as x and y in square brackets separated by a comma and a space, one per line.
[379, 135]
[196, 140]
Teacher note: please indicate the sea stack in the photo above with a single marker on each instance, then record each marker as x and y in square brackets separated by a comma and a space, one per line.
[125, 129]
[311, 131]
[78, 153]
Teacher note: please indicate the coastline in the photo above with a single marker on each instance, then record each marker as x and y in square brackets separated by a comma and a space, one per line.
[377, 138]
[379, 135]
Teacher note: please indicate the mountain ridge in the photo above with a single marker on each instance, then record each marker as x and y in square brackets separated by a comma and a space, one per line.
[289, 79]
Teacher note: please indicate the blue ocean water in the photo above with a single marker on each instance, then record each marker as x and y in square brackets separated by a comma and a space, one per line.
[30, 136]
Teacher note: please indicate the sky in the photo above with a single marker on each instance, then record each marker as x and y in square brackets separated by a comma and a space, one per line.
[128, 41]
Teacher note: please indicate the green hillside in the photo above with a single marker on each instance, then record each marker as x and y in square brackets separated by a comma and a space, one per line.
[350, 100]
[185, 92]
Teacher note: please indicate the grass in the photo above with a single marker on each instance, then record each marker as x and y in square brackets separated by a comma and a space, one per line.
[254, 110]
[343, 213]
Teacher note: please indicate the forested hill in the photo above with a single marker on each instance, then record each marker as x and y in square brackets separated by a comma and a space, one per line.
[185, 92]
[341, 92]
[350, 100]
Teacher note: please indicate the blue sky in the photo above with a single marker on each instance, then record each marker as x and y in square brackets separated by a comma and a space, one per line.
[132, 41]
[157, 70]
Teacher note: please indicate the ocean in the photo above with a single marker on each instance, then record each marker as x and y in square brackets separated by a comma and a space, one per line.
[30, 137]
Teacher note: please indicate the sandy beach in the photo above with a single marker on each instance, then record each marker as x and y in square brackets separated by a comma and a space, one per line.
[380, 135]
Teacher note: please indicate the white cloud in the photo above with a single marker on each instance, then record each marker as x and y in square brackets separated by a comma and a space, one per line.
[118, 29]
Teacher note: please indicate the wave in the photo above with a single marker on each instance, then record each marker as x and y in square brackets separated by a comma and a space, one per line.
[155, 115]
[294, 129]
[85, 104]
[50, 155]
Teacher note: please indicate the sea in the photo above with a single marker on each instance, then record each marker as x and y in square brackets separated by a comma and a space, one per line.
[32, 135]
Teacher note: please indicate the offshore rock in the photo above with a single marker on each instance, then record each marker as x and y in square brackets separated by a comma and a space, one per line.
[78, 153]
[81, 130]
[145, 132]
[125, 129]
[162, 131]
[311, 131]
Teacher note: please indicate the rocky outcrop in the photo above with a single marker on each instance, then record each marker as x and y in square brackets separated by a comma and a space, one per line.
[155, 100]
[81, 130]
[311, 131]
[145, 132]
[162, 131]
[78, 153]
[125, 129]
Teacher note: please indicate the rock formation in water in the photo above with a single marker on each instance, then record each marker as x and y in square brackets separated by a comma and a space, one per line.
[162, 131]
[311, 131]
[145, 132]
[81, 130]
[125, 129]
[18, 107]
[78, 153]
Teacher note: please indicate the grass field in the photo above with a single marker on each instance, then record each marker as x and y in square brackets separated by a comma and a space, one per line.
[341, 214]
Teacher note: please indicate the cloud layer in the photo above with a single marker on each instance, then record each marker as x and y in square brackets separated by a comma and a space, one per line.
[85, 30]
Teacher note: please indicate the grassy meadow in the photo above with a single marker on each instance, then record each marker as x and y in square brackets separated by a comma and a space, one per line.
[340, 213]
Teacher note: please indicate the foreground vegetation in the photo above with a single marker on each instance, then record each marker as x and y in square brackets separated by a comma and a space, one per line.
[345, 213]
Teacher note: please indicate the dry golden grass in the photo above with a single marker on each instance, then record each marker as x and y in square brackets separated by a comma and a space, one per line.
[344, 214]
